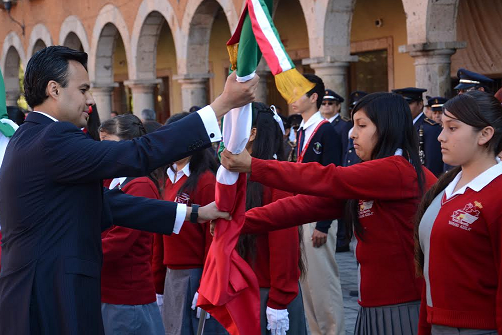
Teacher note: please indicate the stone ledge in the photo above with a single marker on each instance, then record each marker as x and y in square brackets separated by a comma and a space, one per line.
[330, 59]
[432, 46]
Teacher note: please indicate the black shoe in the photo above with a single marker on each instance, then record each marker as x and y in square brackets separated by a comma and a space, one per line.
[343, 248]
[354, 293]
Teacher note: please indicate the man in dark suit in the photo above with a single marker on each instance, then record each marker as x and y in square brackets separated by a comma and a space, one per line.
[52, 203]
[427, 130]
[468, 81]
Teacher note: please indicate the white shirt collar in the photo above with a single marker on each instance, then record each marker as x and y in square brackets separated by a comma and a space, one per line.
[174, 177]
[477, 184]
[314, 119]
[49, 116]
[399, 152]
[418, 117]
[116, 181]
[333, 118]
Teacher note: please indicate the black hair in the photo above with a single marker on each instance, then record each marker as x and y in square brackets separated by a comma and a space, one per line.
[200, 162]
[268, 144]
[477, 109]
[318, 88]
[392, 117]
[125, 126]
[48, 64]
[93, 123]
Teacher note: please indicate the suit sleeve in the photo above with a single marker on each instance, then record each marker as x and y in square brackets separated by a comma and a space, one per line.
[156, 216]
[72, 157]
[290, 212]
[158, 267]
[389, 178]
[432, 147]
[284, 249]
[332, 154]
[119, 240]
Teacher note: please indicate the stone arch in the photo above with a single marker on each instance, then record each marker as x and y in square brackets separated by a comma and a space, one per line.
[193, 45]
[72, 34]
[40, 38]
[12, 57]
[145, 35]
[109, 25]
[431, 21]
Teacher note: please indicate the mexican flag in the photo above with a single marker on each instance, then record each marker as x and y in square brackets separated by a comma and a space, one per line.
[229, 289]
[7, 127]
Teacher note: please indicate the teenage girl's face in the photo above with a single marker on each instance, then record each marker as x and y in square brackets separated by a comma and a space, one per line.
[460, 143]
[103, 136]
[364, 135]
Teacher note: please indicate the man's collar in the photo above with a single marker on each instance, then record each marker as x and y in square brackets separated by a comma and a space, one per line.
[333, 118]
[418, 117]
[49, 116]
[313, 120]
[38, 117]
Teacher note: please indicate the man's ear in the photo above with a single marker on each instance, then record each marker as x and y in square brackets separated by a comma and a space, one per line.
[53, 89]
[313, 98]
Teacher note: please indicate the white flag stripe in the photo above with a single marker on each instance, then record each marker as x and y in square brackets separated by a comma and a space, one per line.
[267, 30]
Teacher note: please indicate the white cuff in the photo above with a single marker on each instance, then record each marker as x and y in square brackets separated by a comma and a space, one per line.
[210, 123]
[181, 213]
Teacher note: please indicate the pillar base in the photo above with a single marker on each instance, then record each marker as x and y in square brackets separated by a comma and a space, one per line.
[142, 94]
[102, 95]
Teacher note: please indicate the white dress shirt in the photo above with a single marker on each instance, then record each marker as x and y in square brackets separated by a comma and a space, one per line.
[418, 117]
[310, 126]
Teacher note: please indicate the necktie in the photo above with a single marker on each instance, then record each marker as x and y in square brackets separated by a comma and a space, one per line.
[300, 141]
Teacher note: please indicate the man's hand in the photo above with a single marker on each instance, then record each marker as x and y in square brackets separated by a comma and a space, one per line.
[234, 95]
[236, 163]
[211, 212]
[319, 238]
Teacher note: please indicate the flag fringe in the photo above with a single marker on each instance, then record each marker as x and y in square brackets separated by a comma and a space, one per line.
[292, 85]
[232, 54]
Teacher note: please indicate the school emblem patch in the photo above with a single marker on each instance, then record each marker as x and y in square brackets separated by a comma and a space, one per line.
[365, 208]
[463, 218]
[317, 148]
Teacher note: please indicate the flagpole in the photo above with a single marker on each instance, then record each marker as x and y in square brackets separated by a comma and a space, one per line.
[202, 322]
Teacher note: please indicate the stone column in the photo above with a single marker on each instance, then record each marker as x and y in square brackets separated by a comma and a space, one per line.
[11, 97]
[262, 90]
[142, 94]
[433, 65]
[193, 89]
[333, 71]
[102, 95]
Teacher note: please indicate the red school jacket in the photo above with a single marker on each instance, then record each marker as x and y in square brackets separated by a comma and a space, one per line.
[388, 196]
[126, 276]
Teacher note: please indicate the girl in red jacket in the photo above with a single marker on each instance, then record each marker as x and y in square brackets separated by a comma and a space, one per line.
[178, 260]
[386, 189]
[127, 291]
[274, 256]
[460, 231]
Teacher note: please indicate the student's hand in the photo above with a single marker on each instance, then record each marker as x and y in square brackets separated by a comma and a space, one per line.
[277, 321]
[234, 95]
[212, 226]
[319, 238]
[211, 212]
[199, 310]
[236, 163]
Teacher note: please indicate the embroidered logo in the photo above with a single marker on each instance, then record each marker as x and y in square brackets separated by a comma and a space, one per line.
[317, 148]
[182, 198]
[463, 218]
[365, 208]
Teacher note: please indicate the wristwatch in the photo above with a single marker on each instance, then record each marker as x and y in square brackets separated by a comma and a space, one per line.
[195, 213]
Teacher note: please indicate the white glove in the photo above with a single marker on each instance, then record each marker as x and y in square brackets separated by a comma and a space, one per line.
[277, 321]
[160, 300]
[194, 305]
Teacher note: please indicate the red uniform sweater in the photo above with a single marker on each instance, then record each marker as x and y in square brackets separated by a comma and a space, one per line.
[389, 195]
[465, 253]
[276, 260]
[126, 277]
[188, 249]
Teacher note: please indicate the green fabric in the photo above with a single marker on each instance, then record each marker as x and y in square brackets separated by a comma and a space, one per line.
[249, 54]
[5, 129]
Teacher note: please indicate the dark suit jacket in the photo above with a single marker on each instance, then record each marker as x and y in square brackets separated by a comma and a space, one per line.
[342, 128]
[324, 148]
[53, 209]
[432, 147]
